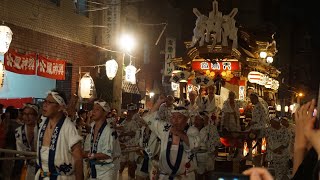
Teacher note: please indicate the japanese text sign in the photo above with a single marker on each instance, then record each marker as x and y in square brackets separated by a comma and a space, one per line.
[51, 68]
[19, 63]
[170, 53]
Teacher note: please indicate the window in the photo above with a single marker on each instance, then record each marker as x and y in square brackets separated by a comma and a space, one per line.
[82, 7]
[56, 2]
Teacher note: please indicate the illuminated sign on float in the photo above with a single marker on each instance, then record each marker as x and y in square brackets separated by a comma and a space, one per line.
[230, 65]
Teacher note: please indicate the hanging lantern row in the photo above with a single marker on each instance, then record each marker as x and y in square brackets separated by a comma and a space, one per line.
[5, 39]
[263, 80]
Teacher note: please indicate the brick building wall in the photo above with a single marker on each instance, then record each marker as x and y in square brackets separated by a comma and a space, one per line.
[54, 31]
[26, 40]
[46, 17]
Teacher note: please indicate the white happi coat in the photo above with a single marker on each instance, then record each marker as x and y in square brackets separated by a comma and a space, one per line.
[209, 140]
[231, 122]
[152, 148]
[129, 126]
[108, 144]
[63, 159]
[162, 130]
[21, 146]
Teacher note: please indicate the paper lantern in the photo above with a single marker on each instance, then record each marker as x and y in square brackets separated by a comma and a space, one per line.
[86, 86]
[131, 74]
[254, 77]
[269, 59]
[5, 39]
[1, 75]
[111, 68]
[286, 108]
[263, 54]
[278, 107]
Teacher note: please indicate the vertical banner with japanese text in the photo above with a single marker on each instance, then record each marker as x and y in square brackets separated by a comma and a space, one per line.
[170, 53]
[20, 63]
[51, 68]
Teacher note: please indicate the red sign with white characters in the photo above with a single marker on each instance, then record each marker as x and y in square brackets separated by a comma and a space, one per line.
[20, 63]
[51, 68]
[218, 66]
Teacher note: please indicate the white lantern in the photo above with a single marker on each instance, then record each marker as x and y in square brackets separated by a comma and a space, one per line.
[269, 59]
[255, 77]
[174, 86]
[131, 74]
[111, 68]
[263, 54]
[1, 75]
[286, 108]
[5, 39]
[86, 86]
[278, 107]
[151, 94]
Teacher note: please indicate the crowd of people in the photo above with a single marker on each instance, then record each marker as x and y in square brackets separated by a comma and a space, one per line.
[173, 140]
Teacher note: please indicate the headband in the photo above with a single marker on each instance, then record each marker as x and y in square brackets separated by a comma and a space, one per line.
[57, 97]
[104, 105]
[276, 119]
[182, 110]
[32, 106]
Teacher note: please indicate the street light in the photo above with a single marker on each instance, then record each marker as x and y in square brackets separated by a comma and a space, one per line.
[300, 94]
[127, 42]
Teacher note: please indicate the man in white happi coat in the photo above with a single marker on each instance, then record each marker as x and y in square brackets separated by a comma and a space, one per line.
[26, 136]
[178, 140]
[150, 149]
[278, 141]
[209, 140]
[59, 144]
[102, 145]
[166, 108]
[127, 137]
[192, 105]
[231, 113]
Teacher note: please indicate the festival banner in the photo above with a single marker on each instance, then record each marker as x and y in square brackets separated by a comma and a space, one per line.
[20, 63]
[51, 68]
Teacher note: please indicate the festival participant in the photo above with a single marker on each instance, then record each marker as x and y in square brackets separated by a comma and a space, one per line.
[166, 108]
[26, 137]
[178, 140]
[102, 146]
[150, 149]
[127, 135]
[278, 148]
[192, 105]
[231, 114]
[59, 152]
[209, 140]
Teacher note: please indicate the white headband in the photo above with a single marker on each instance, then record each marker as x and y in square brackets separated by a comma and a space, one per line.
[57, 97]
[104, 105]
[34, 107]
[181, 110]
